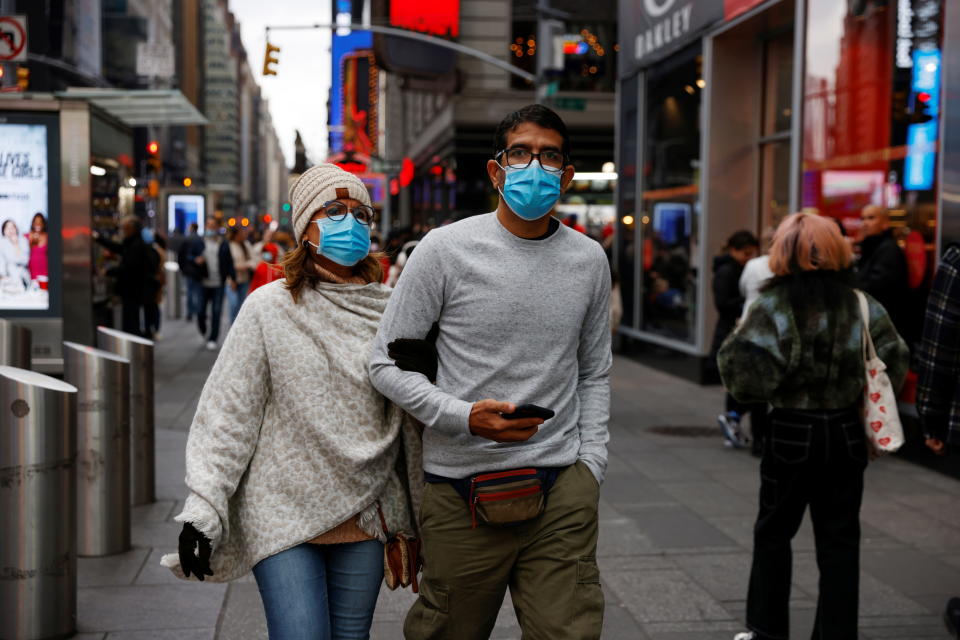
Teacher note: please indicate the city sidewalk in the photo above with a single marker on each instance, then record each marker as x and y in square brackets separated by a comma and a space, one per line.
[677, 511]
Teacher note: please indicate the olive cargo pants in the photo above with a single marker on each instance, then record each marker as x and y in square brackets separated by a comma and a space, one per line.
[549, 563]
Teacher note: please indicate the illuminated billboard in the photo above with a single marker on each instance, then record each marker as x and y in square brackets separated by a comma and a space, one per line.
[25, 224]
[436, 17]
[184, 209]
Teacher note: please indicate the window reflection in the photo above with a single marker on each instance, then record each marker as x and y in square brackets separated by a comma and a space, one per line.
[627, 190]
[670, 207]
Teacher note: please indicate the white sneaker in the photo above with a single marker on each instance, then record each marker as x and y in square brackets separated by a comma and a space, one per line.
[211, 346]
[746, 635]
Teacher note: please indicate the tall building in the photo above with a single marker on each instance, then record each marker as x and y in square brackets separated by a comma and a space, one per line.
[221, 106]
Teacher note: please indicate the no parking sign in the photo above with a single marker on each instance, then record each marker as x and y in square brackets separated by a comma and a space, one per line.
[13, 38]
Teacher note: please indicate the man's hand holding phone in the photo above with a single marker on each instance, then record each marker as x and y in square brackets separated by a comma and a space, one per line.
[492, 419]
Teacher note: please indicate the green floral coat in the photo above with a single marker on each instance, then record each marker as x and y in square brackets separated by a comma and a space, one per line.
[769, 358]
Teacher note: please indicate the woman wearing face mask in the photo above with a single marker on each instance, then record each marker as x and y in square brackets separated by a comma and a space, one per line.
[293, 455]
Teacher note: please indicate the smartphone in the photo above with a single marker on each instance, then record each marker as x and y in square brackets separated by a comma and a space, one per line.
[529, 411]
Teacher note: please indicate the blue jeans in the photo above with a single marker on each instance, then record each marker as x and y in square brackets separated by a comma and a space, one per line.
[321, 592]
[236, 298]
[194, 296]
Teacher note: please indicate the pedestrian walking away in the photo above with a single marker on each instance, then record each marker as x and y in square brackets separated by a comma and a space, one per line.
[297, 467]
[241, 254]
[800, 349]
[188, 254]
[135, 276]
[741, 247]
[938, 370]
[213, 255]
[522, 306]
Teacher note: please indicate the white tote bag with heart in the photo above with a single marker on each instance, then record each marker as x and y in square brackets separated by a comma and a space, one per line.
[881, 419]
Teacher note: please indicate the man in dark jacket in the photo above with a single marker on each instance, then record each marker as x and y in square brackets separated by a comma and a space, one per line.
[938, 369]
[135, 275]
[882, 270]
[727, 269]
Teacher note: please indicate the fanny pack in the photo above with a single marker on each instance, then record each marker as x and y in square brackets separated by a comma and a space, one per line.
[503, 498]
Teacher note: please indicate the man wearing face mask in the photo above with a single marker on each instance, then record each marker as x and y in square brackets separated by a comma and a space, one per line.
[522, 305]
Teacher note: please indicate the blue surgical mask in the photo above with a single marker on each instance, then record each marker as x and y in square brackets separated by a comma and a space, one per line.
[346, 241]
[531, 192]
[267, 256]
[147, 235]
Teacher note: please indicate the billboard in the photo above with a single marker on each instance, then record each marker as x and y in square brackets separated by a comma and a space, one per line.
[25, 225]
[184, 209]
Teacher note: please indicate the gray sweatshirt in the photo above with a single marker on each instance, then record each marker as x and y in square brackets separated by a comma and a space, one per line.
[522, 321]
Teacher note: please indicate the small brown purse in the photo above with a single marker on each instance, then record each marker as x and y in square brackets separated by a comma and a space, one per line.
[401, 558]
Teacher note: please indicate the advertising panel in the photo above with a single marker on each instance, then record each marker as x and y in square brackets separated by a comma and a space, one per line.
[25, 227]
[184, 209]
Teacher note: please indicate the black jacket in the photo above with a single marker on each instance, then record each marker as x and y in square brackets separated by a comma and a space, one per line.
[882, 272]
[193, 248]
[726, 297]
[136, 275]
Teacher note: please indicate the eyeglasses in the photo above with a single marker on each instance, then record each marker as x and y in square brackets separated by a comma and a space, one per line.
[550, 159]
[337, 211]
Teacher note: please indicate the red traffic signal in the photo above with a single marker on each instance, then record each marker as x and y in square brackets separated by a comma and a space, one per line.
[267, 218]
[153, 147]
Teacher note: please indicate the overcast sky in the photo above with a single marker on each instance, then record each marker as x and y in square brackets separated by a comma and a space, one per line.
[298, 93]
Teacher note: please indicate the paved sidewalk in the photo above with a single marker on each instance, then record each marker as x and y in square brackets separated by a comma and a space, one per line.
[676, 519]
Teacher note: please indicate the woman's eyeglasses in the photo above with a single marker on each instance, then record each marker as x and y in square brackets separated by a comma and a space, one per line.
[337, 211]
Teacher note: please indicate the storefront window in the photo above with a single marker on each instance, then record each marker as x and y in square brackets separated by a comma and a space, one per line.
[775, 132]
[627, 199]
[669, 210]
[871, 103]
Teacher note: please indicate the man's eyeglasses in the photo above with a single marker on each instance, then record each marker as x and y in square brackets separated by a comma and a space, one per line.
[337, 211]
[550, 159]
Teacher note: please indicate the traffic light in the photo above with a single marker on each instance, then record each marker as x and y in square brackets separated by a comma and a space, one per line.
[269, 59]
[187, 182]
[153, 156]
[285, 207]
[23, 78]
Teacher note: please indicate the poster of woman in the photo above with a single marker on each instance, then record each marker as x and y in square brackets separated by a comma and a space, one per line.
[24, 213]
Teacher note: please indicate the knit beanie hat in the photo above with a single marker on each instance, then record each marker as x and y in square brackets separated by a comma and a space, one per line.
[319, 185]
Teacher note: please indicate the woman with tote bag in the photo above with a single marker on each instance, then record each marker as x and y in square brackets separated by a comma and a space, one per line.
[800, 348]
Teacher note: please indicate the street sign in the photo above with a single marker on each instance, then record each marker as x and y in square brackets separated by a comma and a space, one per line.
[155, 59]
[378, 165]
[13, 38]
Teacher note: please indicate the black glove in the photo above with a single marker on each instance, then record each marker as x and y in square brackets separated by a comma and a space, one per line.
[190, 539]
[411, 354]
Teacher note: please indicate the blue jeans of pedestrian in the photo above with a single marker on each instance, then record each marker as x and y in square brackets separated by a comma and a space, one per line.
[194, 296]
[235, 298]
[321, 592]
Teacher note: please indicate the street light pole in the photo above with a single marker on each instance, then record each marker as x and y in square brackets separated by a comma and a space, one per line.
[549, 23]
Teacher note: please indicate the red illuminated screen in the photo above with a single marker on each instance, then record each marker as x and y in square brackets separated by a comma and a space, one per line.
[437, 17]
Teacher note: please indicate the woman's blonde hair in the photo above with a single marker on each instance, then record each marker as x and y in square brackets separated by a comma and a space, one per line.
[808, 242]
[298, 275]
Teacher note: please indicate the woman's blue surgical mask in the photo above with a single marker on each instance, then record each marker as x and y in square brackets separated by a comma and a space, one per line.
[531, 192]
[345, 241]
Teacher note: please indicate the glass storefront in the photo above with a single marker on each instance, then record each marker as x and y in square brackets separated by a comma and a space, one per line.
[669, 211]
[871, 105]
[846, 118]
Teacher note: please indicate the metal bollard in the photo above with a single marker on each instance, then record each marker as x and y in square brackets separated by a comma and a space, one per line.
[103, 448]
[139, 351]
[14, 345]
[38, 503]
[172, 300]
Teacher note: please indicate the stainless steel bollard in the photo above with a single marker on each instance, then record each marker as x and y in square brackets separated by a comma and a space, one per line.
[173, 296]
[38, 506]
[139, 351]
[15, 345]
[103, 448]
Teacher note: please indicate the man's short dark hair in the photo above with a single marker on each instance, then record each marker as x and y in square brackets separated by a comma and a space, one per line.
[536, 114]
[742, 240]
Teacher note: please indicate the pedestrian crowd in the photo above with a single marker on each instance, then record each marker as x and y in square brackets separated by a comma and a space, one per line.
[430, 409]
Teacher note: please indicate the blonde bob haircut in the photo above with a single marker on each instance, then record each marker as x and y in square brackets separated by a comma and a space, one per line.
[808, 242]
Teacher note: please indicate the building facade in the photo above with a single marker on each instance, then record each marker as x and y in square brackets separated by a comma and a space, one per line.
[733, 114]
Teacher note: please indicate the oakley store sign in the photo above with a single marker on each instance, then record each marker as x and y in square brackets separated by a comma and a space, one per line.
[650, 30]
